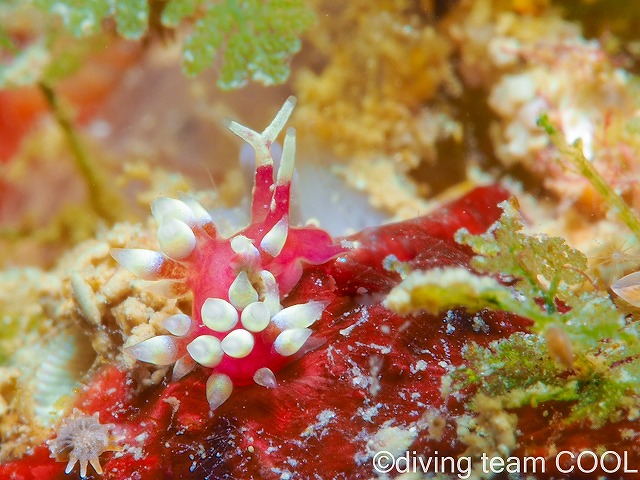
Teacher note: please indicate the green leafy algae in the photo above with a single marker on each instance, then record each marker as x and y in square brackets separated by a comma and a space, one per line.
[574, 154]
[581, 349]
[574, 322]
[177, 10]
[514, 361]
[252, 37]
[85, 17]
[244, 39]
[80, 17]
[440, 289]
[539, 267]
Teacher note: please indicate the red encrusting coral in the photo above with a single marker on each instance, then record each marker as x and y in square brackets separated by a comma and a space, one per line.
[375, 370]
[369, 380]
[169, 432]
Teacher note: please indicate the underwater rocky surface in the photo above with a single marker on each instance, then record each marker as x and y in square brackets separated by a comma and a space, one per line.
[253, 338]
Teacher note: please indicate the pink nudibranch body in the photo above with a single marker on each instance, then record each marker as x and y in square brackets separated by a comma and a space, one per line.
[238, 327]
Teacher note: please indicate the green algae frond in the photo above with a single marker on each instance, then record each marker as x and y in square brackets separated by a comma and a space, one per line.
[574, 154]
[245, 39]
[581, 349]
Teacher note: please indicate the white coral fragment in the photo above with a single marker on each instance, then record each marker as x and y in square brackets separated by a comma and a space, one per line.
[84, 295]
[82, 439]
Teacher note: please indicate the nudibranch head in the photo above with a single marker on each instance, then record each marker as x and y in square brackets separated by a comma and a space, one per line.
[238, 327]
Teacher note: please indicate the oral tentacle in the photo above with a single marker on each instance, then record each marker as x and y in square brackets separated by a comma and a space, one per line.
[218, 315]
[145, 264]
[241, 292]
[280, 202]
[238, 343]
[261, 144]
[149, 264]
[299, 316]
[183, 367]
[247, 252]
[256, 317]
[201, 216]
[165, 287]
[206, 350]
[271, 292]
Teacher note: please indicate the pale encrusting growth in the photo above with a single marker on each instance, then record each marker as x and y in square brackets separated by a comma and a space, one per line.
[238, 327]
[82, 439]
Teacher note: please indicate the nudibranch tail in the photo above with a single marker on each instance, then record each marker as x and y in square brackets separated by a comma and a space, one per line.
[238, 327]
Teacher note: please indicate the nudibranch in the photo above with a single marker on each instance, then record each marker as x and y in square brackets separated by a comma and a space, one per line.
[238, 327]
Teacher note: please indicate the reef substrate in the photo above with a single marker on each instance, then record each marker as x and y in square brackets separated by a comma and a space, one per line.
[373, 383]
